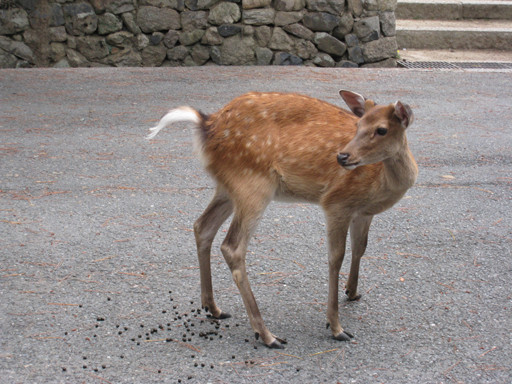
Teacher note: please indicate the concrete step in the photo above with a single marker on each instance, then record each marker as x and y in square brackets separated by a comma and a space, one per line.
[454, 34]
[453, 9]
[455, 56]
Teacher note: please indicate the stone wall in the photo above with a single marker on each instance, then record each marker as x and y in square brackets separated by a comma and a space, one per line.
[71, 33]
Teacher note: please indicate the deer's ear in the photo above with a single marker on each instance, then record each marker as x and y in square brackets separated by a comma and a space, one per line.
[355, 102]
[404, 114]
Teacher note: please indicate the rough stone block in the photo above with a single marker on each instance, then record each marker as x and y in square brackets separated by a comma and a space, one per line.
[371, 5]
[57, 51]
[56, 15]
[171, 38]
[212, 37]
[71, 42]
[119, 6]
[153, 55]
[98, 5]
[324, 60]
[200, 54]
[263, 56]
[336, 7]
[346, 64]
[7, 60]
[129, 21]
[248, 30]
[367, 29]
[344, 27]
[192, 37]
[17, 48]
[58, 34]
[228, 30]
[156, 38]
[388, 63]
[286, 18]
[351, 40]
[141, 41]
[13, 21]
[262, 35]
[177, 53]
[160, 3]
[387, 23]
[355, 7]
[329, 44]
[321, 21]
[250, 4]
[92, 47]
[109, 23]
[63, 63]
[259, 16]
[379, 50]
[224, 13]
[300, 31]
[305, 49]
[387, 5]
[152, 19]
[32, 37]
[289, 5]
[195, 5]
[120, 39]
[124, 58]
[285, 58]
[280, 41]
[235, 50]
[355, 54]
[80, 19]
[191, 20]
[76, 59]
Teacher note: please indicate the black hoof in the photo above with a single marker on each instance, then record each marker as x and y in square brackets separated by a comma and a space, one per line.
[224, 315]
[344, 336]
[276, 345]
[355, 298]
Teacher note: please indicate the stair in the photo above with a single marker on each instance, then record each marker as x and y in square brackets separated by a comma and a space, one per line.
[454, 31]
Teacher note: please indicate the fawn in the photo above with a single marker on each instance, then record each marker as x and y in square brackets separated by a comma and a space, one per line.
[266, 146]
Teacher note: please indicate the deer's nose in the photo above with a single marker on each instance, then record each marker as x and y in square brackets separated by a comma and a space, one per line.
[342, 158]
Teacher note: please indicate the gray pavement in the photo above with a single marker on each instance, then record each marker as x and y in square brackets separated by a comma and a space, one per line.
[98, 273]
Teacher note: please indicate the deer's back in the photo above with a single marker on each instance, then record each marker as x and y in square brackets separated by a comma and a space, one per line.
[291, 138]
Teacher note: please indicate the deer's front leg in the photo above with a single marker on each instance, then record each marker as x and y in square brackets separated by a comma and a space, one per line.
[337, 234]
[359, 228]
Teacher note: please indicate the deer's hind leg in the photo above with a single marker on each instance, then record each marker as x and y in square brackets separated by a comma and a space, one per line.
[250, 203]
[205, 229]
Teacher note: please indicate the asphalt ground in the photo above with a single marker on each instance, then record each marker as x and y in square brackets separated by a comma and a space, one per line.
[99, 274]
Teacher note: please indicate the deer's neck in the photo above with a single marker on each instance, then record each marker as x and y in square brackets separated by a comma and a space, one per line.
[400, 171]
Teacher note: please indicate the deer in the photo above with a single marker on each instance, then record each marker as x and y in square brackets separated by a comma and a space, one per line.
[286, 146]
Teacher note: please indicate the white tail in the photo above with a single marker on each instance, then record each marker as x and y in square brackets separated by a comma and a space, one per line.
[265, 146]
[185, 114]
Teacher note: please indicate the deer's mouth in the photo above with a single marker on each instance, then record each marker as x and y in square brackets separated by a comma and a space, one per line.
[343, 160]
[350, 166]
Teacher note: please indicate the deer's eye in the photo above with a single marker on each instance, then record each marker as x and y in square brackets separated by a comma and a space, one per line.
[381, 131]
